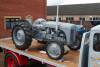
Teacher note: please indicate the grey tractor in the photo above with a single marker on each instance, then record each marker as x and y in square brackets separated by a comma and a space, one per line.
[57, 41]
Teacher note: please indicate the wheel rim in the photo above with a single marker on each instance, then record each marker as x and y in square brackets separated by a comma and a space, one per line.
[10, 62]
[54, 50]
[19, 37]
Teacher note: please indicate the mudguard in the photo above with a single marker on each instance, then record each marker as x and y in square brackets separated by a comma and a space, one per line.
[23, 23]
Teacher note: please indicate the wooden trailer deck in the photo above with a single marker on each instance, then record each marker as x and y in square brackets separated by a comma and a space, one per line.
[70, 60]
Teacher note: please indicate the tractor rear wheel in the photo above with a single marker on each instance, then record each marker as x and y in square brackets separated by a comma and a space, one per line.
[76, 45]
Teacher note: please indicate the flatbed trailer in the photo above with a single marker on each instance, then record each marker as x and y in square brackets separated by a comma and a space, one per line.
[69, 60]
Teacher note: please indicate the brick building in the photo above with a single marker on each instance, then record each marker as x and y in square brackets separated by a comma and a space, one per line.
[13, 10]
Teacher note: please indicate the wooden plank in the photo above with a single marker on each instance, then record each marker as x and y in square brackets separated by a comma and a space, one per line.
[70, 60]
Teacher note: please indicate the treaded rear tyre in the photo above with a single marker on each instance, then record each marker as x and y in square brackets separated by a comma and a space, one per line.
[61, 48]
[27, 39]
[76, 45]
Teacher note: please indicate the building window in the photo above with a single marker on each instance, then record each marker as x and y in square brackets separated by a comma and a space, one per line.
[9, 21]
[59, 18]
[95, 18]
[82, 18]
[90, 18]
[69, 18]
[54, 18]
[66, 18]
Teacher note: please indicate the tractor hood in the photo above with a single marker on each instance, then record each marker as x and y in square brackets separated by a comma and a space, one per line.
[53, 24]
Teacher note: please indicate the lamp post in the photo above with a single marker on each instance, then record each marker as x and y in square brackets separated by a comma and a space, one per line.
[57, 17]
[58, 2]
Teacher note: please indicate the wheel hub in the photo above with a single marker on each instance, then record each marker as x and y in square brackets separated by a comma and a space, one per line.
[19, 37]
[54, 50]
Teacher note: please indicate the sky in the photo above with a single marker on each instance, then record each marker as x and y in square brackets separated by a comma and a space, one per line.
[67, 2]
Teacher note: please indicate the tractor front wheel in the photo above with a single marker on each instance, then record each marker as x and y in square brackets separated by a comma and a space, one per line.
[55, 50]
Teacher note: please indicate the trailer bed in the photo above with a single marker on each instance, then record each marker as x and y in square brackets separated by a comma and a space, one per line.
[70, 60]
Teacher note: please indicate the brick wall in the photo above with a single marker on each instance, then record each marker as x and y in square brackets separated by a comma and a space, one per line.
[36, 8]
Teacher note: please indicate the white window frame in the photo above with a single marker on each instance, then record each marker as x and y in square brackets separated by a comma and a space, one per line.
[9, 17]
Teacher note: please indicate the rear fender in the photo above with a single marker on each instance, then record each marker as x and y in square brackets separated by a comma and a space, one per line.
[23, 23]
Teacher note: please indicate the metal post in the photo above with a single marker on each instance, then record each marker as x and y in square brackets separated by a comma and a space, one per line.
[81, 23]
[57, 18]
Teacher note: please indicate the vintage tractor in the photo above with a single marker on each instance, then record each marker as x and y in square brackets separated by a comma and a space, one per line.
[57, 41]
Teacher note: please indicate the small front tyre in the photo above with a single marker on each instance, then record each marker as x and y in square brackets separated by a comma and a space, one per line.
[55, 50]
